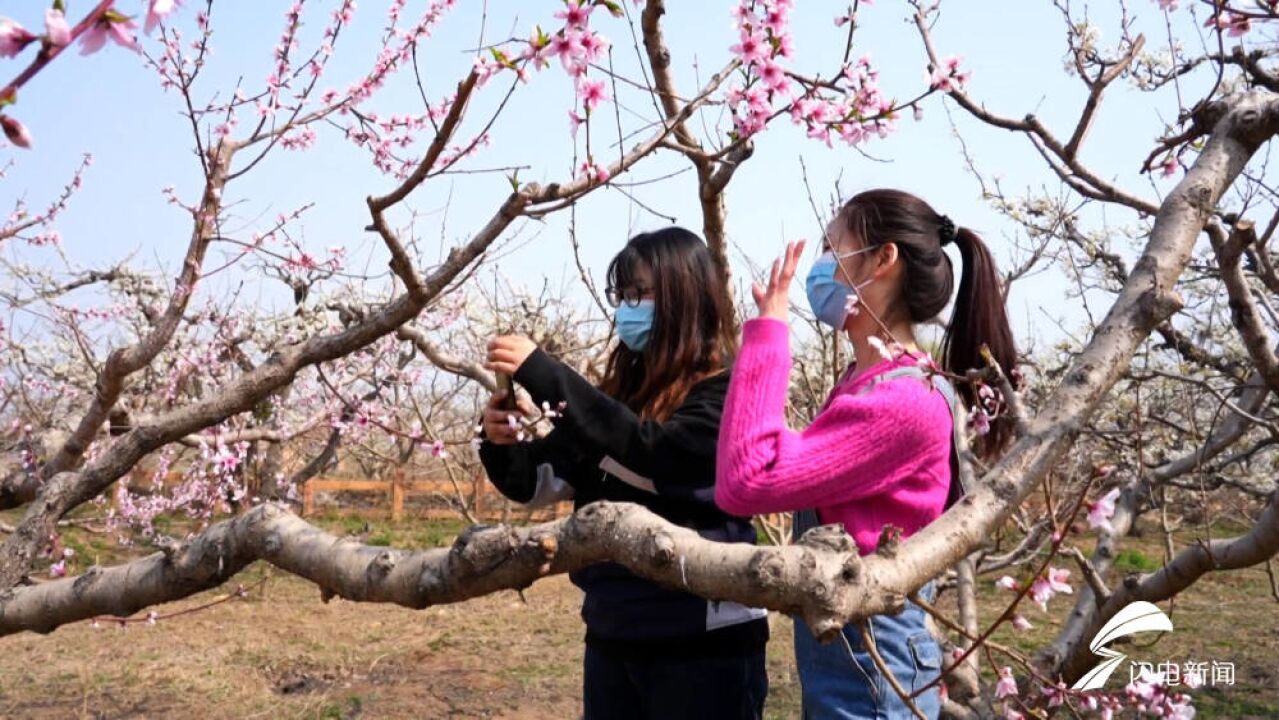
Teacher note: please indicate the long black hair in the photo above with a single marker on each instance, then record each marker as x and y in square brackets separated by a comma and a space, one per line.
[689, 340]
[877, 217]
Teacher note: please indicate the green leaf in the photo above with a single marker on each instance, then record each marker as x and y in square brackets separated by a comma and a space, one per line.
[613, 7]
[502, 59]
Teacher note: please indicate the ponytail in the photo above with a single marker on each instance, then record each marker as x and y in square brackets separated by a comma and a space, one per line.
[979, 318]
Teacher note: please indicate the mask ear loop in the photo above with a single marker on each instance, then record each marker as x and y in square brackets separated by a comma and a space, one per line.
[892, 344]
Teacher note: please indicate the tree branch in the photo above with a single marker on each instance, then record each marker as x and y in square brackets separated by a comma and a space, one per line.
[1255, 547]
[123, 362]
[1243, 309]
[712, 176]
[819, 578]
[448, 363]
[1146, 300]
[1083, 180]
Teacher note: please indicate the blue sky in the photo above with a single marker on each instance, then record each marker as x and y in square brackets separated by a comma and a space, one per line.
[112, 106]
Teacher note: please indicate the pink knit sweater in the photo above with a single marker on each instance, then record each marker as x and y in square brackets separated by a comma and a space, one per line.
[866, 460]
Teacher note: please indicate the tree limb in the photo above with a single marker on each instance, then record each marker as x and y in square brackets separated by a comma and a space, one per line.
[1147, 299]
[1254, 547]
[819, 578]
[1243, 309]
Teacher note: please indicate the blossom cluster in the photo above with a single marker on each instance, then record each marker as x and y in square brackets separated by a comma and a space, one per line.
[849, 107]
[108, 25]
[1146, 696]
[522, 426]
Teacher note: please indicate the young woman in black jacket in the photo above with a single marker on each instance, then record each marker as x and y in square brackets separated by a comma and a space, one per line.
[646, 435]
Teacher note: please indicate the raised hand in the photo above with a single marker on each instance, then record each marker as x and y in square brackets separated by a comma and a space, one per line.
[774, 301]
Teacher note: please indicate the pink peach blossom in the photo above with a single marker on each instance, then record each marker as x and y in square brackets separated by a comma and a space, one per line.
[13, 38]
[157, 11]
[112, 26]
[55, 26]
[15, 131]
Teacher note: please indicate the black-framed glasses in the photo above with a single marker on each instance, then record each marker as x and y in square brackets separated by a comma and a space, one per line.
[629, 295]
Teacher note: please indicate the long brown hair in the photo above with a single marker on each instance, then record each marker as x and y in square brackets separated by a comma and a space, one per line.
[979, 317]
[689, 340]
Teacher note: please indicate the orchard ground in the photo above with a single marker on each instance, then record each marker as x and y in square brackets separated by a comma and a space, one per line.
[282, 653]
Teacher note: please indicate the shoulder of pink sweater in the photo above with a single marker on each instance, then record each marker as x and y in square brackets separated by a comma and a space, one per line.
[908, 401]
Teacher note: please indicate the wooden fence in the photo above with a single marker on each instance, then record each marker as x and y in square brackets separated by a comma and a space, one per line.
[484, 502]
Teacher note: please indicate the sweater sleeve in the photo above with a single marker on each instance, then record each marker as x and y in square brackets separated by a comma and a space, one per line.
[665, 452]
[513, 468]
[859, 446]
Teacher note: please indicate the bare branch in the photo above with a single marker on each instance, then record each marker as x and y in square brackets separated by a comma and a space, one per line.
[468, 369]
[1067, 164]
[1254, 547]
[819, 578]
[1243, 309]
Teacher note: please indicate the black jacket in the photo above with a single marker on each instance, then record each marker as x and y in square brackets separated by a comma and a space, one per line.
[597, 442]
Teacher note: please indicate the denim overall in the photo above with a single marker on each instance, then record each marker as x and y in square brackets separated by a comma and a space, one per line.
[840, 681]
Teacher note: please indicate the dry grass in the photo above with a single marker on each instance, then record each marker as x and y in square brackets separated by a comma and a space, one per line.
[285, 654]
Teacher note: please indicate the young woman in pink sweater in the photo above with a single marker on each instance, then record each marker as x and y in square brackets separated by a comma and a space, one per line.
[879, 452]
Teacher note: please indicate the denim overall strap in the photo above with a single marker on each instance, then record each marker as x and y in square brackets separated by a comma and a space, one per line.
[801, 522]
[840, 680]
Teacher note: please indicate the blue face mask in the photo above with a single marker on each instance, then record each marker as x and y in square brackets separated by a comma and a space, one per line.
[828, 297]
[634, 324]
